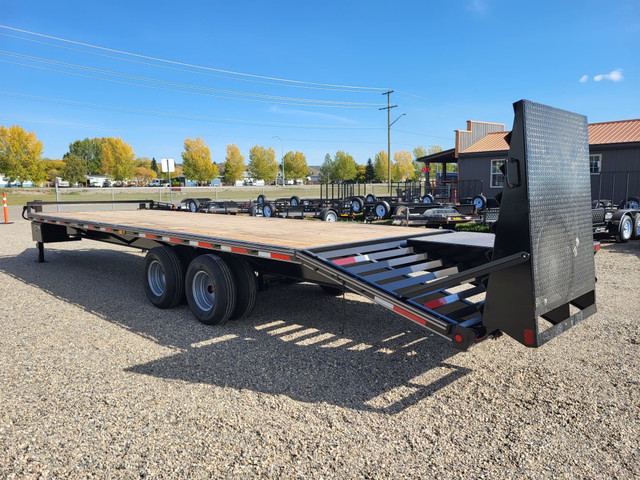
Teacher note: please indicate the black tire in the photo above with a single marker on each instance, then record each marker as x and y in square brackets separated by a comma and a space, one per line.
[329, 290]
[329, 215]
[357, 205]
[252, 211]
[480, 202]
[210, 288]
[294, 201]
[428, 198]
[268, 210]
[193, 205]
[382, 210]
[371, 198]
[635, 234]
[630, 202]
[246, 285]
[625, 229]
[261, 199]
[163, 277]
[401, 211]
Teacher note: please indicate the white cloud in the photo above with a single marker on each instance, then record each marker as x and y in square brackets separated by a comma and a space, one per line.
[615, 76]
[584, 78]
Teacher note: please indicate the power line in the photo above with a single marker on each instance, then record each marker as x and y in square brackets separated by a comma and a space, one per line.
[167, 67]
[180, 91]
[179, 84]
[173, 62]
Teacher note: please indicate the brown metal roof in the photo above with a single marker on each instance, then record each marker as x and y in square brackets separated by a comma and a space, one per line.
[622, 131]
[493, 142]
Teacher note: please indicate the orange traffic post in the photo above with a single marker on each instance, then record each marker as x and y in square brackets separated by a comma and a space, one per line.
[4, 205]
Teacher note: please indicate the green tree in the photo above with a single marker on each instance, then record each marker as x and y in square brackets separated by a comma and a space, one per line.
[361, 174]
[117, 159]
[370, 173]
[234, 166]
[381, 166]
[154, 166]
[75, 169]
[403, 164]
[295, 166]
[327, 169]
[262, 163]
[20, 155]
[89, 150]
[143, 162]
[196, 161]
[345, 166]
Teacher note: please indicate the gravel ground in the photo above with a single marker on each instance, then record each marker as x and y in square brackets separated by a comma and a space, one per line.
[98, 383]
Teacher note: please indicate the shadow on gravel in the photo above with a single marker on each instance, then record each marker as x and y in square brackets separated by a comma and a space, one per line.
[298, 342]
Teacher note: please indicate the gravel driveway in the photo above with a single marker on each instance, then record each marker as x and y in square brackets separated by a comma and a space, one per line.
[95, 382]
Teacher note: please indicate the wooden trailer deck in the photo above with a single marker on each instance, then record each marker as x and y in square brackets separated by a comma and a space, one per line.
[287, 233]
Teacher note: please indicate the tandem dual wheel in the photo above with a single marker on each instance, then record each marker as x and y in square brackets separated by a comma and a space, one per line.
[216, 288]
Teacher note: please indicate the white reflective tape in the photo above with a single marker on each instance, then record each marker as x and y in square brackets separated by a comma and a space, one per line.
[361, 258]
[264, 254]
[382, 302]
[225, 248]
[193, 243]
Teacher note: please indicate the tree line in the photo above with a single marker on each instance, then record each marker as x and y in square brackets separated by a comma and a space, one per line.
[21, 160]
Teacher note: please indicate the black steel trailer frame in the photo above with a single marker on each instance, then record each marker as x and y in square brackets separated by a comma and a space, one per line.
[532, 280]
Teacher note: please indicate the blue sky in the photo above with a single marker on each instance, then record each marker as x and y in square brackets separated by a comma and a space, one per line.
[447, 62]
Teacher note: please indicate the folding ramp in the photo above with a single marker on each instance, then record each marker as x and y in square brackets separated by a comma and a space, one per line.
[533, 280]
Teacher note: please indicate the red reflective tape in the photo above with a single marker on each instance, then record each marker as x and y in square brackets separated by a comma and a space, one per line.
[91, 227]
[529, 337]
[239, 250]
[175, 240]
[345, 261]
[279, 256]
[108, 230]
[205, 245]
[148, 235]
[438, 302]
[409, 315]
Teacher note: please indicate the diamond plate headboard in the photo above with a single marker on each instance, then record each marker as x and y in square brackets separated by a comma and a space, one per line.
[545, 211]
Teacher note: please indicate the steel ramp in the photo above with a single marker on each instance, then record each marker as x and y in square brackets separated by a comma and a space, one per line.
[412, 278]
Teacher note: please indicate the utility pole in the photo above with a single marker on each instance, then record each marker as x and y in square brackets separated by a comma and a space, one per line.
[388, 109]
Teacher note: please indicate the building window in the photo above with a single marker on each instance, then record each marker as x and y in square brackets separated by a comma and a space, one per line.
[497, 177]
[594, 163]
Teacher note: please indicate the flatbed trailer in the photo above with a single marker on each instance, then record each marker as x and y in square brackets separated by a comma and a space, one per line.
[532, 280]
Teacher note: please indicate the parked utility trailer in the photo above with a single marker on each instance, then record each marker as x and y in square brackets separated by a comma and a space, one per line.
[295, 207]
[622, 222]
[532, 280]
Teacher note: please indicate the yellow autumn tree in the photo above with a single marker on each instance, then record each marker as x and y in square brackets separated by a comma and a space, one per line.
[403, 164]
[117, 159]
[20, 155]
[381, 166]
[295, 166]
[196, 161]
[233, 164]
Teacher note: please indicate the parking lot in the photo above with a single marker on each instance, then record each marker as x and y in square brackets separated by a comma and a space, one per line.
[98, 382]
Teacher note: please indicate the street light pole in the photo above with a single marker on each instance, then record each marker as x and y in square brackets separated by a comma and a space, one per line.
[281, 156]
[388, 109]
